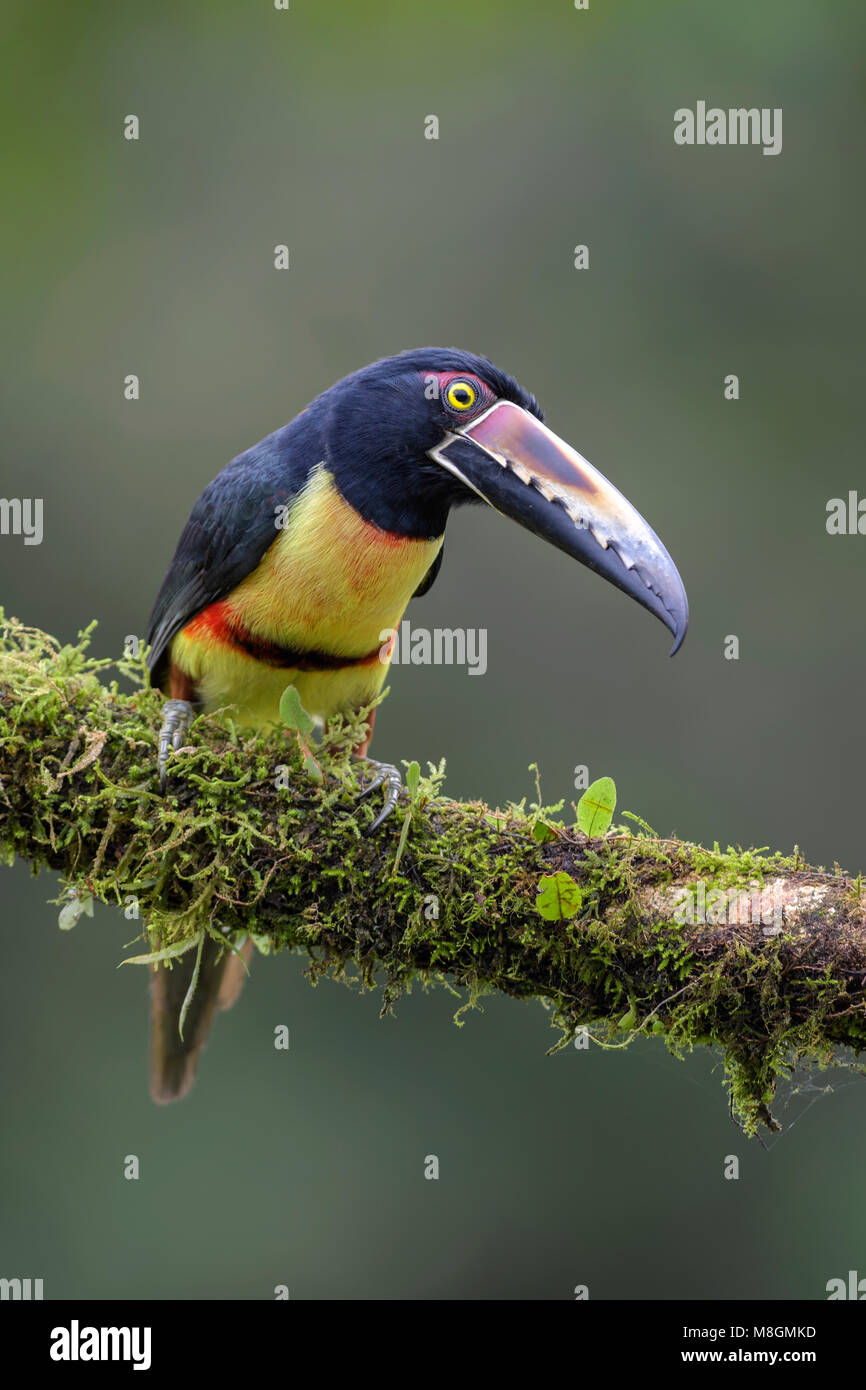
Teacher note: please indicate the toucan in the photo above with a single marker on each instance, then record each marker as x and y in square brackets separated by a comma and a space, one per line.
[307, 547]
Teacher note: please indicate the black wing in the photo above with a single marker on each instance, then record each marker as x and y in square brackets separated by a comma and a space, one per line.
[230, 527]
[430, 577]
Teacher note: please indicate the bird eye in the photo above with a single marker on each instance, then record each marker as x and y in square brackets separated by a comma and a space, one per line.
[461, 395]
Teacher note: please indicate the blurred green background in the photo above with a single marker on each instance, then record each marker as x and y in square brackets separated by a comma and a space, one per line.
[156, 257]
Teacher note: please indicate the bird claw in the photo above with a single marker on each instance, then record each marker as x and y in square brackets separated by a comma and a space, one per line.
[177, 715]
[388, 777]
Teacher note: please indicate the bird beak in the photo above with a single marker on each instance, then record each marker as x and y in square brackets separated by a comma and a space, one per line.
[522, 469]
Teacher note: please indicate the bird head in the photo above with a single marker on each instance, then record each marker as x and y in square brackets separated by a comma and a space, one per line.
[411, 436]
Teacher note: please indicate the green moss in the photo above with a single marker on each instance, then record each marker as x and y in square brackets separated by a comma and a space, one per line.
[446, 893]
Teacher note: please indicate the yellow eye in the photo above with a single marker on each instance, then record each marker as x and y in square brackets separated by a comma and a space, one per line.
[461, 395]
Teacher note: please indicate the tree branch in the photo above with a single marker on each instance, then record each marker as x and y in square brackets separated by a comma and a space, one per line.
[760, 955]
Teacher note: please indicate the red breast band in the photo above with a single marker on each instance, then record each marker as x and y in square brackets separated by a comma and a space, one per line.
[225, 627]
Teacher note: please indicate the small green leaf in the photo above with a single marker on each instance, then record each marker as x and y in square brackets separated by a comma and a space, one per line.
[294, 715]
[311, 767]
[642, 824]
[235, 943]
[628, 1021]
[179, 949]
[542, 832]
[292, 712]
[188, 997]
[596, 807]
[401, 844]
[76, 904]
[559, 897]
[69, 915]
[413, 779]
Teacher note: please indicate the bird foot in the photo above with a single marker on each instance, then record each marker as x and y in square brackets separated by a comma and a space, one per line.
[177, 715]
[388, 777]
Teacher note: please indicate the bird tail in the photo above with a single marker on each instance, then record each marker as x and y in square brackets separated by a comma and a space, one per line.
[174, 1059]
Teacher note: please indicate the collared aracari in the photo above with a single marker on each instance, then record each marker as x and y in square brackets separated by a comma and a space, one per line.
[308, 546]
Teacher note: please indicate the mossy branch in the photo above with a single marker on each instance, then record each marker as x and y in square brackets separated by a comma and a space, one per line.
[758, 954]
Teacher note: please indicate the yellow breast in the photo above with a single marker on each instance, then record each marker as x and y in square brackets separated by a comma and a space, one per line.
[330, 583]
